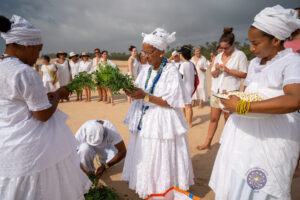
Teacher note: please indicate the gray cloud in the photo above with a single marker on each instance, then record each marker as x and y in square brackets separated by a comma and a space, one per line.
[76, 25]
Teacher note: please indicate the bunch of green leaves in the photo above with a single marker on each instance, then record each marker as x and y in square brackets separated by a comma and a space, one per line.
[99, 191]
[83, 79]
[111, 77]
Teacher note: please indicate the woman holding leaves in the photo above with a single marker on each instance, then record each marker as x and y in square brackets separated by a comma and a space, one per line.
[85, 66]
[158, 156]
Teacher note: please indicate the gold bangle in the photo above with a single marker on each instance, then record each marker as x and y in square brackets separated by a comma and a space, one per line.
[106, 166]
[147, 98]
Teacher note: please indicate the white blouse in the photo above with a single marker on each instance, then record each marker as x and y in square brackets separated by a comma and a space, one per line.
[95, 64]
[224, 81]
[135, 67]
[74, 67]
[28, 145]
[85, 66]
[46, 69]
[187, 69]
[160, 122]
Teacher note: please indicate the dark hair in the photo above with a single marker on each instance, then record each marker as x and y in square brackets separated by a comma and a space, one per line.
[298, 8]
[45, 57]
[97, 50]
[227, 36]
[131, 48]
[104, 52]
[5, 24]
[186, 52]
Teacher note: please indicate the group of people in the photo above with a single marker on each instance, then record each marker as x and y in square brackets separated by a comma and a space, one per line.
[259, 152]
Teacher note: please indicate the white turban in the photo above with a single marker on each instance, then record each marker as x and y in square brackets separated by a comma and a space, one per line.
[159, 38]
[175, 53]
[22, 32]
[94, 133]
[277, 21]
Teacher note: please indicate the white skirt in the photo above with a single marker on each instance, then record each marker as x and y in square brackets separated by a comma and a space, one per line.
[200, 93]
[63, 181]
[50, 87]
[155, 165]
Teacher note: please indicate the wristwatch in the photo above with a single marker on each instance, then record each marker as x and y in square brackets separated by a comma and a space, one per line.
[147, 98]
[106, 166]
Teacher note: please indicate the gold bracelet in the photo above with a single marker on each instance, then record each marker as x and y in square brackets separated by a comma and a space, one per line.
[106, 166]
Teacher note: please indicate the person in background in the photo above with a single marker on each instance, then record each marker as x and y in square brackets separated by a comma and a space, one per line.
[107, 95]
[38, 157]
[64, 75]
[175, 59]
[49, 74]
[85, 66]
[74, 65]
[229, 68]
[133, 65]
[187, 71]
[200, 63]
[260, 146]
[142, 62]
[99, 137]
[96, 62]
[294, 41]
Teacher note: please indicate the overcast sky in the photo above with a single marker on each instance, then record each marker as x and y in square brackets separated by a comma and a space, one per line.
[113, 25]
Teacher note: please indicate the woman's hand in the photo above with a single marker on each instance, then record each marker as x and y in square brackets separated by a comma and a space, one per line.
[223, 68]
[231, 103]
[100, 171]
[136, 94]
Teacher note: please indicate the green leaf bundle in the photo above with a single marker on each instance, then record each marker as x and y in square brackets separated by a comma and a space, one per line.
[83, 79]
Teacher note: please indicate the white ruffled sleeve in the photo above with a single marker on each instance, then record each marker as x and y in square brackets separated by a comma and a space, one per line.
[30, 88]
[175, 93]
[291, 74]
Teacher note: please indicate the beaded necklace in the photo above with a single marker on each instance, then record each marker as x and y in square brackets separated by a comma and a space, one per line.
[155, 81]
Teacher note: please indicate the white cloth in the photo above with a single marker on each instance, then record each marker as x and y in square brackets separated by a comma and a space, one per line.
[85, 66]
[187, 70]
[74, 67]
[63, 73]
[224, 81]
[108, 62]
[201, 91]
[95, 64]
[159, 38]
[32, 151]
[177, 64]
[135, 66]
[158, 155]
[277, 21]
[48, 78]
[270, 142]
[22, 32]
[106, 149]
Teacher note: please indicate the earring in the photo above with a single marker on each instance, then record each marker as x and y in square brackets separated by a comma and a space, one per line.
[161, 55]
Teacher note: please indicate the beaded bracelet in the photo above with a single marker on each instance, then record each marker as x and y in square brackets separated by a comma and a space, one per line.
[242, 107]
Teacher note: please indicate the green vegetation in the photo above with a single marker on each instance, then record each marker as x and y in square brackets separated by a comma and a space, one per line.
[83, 79]
[99, 191]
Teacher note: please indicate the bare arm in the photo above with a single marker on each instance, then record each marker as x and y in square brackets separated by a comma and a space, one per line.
[287, 103]
[130, 66]
[54, 97]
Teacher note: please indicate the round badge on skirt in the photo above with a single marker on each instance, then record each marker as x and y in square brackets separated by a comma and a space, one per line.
[256, 179]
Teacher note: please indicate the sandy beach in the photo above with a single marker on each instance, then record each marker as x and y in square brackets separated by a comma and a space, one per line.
[203, 161]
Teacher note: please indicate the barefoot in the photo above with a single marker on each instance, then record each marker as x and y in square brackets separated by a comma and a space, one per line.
[77, 99]
[203, 147]
[190, 125]
[107, 102]
[99, 100]
[200, 106]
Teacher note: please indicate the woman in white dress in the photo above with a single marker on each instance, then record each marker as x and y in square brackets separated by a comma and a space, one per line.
[38, 158]
[259, 150]
[96, 62]
[74, 66]
[64, 75]
[200, 63]
[107, 95]
[158, 155]
[86, 66]
[49, 75]
[229, 68]
[133, 65]
[187, 71]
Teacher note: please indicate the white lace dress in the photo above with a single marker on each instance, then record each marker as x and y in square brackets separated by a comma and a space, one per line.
[158, 155]
[201, 91]
[38, 160]
[259, 152]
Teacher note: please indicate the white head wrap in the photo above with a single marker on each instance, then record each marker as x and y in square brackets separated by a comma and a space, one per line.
[22, 32]
[175, 53]
[277, 21]
[94, 133]
[159, 38]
